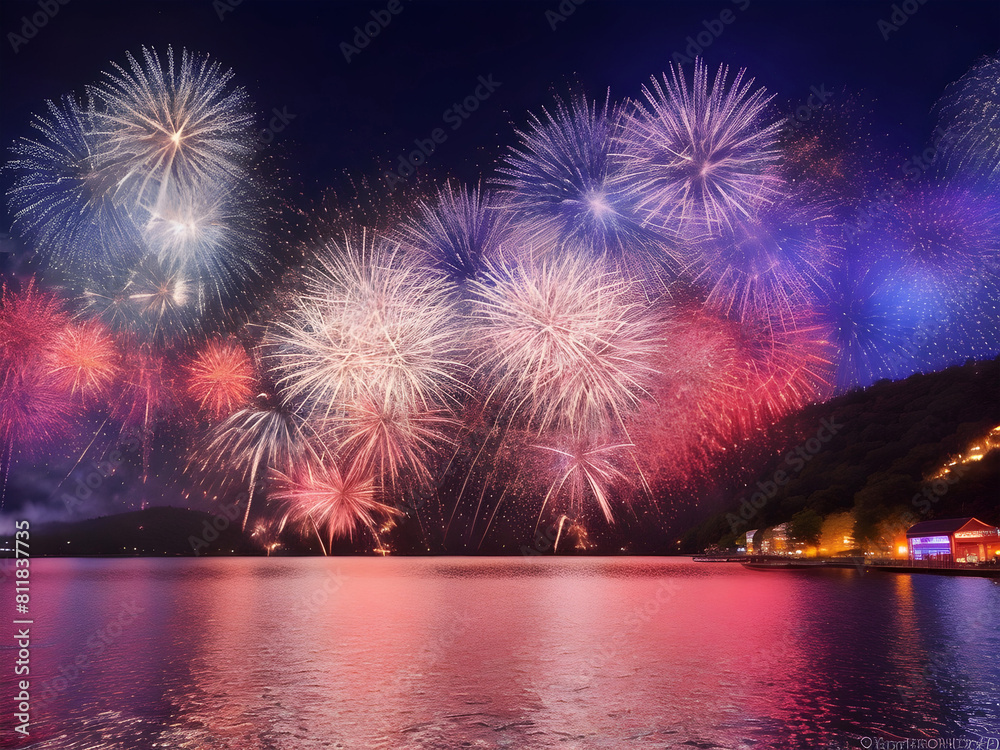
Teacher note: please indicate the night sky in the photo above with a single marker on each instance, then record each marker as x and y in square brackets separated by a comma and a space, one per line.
[332, 124]
[360, 116]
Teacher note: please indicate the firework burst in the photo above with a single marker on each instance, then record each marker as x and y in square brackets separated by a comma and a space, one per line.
[561, 182]
[61, 200]
[456, 230]
[29, 321]
[370, 327]
[767, 265]
[565, 342]
[148, 392]
[35, 411]
[328, 498]
[220, 378]
[170, 127]
[585, 470]
[392, 440]
[253, 440]
[969, 123]
[85, 359]
[779, 369]
[942, 234]
[699, 157]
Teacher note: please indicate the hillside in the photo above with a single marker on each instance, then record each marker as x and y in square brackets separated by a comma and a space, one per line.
[883, 464]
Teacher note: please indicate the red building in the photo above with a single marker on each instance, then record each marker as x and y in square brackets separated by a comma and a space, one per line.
[953, 540]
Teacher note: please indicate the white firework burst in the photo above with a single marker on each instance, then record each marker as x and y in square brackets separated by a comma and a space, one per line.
[565, 341]
[170, 126]
[699, 156]
[372, 353]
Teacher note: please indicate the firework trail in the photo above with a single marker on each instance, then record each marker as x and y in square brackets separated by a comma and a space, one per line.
[969, 120]
[221, 378]
[699, 157]
[564, 342]
[162, 128]
[561, 182]
[587, 470]
[456, 230]
[147, 394]
[252, 441]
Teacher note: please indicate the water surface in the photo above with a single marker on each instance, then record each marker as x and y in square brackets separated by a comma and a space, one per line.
[304, 653]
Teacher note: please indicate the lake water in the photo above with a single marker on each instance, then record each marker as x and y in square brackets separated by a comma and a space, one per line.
[303, 653]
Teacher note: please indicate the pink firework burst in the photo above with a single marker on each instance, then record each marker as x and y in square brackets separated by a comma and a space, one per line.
[779, 369]
[35, 411]
[391, 438]
[148, 387]
[582, 469]
[324, 496]
[29, 321]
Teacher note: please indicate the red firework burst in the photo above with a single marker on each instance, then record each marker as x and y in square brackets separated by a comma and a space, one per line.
[85, 359]
[34, 410]
[221, 378]
[29, 320]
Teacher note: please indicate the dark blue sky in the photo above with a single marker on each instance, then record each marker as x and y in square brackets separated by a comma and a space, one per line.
[361, 115]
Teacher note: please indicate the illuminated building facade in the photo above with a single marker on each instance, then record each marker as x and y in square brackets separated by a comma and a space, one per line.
[966, 540]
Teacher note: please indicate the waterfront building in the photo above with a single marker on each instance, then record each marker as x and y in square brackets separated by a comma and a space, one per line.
[967, 540]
